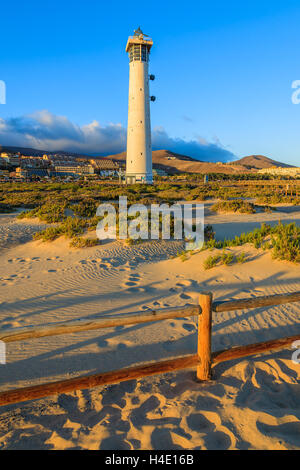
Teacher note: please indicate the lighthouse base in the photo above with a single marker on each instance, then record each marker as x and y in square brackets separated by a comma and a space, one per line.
[135, 178]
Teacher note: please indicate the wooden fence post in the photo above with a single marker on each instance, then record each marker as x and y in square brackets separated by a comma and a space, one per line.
[204, 336]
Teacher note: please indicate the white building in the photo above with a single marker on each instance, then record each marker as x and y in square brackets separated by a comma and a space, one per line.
[12, 159]
[139, 151]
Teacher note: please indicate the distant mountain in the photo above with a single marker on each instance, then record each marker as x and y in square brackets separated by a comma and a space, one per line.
[176, 163]
[259, 162]
[27, 151]
[173, 162]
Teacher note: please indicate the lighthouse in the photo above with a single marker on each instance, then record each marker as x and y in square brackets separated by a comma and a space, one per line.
[139, 151]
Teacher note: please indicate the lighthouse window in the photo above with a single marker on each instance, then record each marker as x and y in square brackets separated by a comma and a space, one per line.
[138, 52]
[144, 53]
[135, 52]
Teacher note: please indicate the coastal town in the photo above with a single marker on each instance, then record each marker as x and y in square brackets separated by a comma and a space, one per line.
[15, 166]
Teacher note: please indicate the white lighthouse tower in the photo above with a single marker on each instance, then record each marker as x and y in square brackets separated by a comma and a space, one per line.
[139, 152]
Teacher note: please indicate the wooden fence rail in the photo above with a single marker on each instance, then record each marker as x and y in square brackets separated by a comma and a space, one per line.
[203, 360]
[86, 324]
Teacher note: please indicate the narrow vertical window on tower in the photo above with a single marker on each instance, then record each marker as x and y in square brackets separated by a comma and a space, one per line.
[139, 151]
[131, 54]
[144, 53]
[137, 52]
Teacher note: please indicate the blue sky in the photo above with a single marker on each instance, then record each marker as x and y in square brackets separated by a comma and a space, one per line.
[224, 73]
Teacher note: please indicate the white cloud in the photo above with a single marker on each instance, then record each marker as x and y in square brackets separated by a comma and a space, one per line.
[46, 131]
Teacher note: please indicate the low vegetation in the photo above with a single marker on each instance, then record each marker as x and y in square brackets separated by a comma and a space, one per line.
[282, 239]
[72, 228]
[72, 206]
[225, 258]
[234, 206]
[83, 197]
[49, 213]
[211, 261]
[278, 199]
[240, 206]
[80, 242]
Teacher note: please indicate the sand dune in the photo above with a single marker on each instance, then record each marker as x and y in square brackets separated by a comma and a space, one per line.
[249, 404]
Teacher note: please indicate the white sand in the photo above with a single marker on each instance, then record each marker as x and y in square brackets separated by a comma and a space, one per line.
[252, 403]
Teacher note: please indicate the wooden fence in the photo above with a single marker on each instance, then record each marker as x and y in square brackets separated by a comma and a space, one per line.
[204, 360]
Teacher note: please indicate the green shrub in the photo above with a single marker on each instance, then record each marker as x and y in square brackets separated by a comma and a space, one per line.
[286, 243]
[70, 228]
[85, 208]
[241, 258]
[49, 213]
[239, 206]
[49, 234]
[80, 242]
[211, 261]
[226, 258]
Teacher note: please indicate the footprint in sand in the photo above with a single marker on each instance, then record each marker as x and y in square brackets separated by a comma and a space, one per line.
[135, 289]
[132, 281]
[139, 416]
[134, 277]
[129, 284]
[189, 326]
[192, 295]
[287, 432]
[184, 283]
[217, 440]
[199, 423]
[184, 296]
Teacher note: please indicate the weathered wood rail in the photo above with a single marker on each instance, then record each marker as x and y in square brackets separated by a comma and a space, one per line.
[204, 360]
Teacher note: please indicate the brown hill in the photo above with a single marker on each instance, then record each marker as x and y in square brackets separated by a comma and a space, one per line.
[259, 162]
[175, 163]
